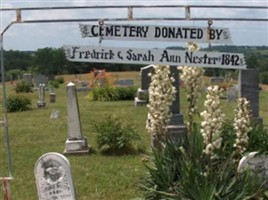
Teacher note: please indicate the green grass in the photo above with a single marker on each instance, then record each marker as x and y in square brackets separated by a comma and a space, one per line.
[96, 177]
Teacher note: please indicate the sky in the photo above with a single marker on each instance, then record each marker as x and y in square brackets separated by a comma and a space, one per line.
[41, 35]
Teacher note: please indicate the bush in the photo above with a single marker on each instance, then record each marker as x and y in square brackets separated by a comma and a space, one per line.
[126, 93]
[111, 93]
[54, 84]
[180, 171]
[17, 103]
[60, 79]
[114, 136]
[264, 78]
[23, 87]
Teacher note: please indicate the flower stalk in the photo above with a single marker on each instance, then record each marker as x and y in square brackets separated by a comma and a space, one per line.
[161, 95]
[242, 125]
[213, 119]
[193, 81]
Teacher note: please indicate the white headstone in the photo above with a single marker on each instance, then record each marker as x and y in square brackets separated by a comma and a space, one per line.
[76, 143]
[41, 102]
[53, 178]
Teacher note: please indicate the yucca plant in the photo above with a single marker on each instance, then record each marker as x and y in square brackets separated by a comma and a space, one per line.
[183, 171]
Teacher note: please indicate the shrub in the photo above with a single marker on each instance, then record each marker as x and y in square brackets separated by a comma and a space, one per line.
[60, 79]
[111, 93]
[115, 136]
[23, 87]
[54, 83]
[264, 78]
[106, 93]
[17, 103]
[126, 93]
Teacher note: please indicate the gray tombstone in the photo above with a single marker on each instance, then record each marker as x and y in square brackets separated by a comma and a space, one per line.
[52, 97]
[231, 94]
[125, 82]
[76, 142]
[53, 178]
[145, 79]
[142, 93]
[40, 79]
[83, 87]
[28, 78]
[257, 164]
[216, 80]
[176, 128]
[41, 102]
[249, 89]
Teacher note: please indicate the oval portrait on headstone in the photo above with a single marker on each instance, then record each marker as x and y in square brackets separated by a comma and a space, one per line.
[52, 171]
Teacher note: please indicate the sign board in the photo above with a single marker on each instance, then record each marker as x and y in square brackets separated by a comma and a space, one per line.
[157, 33]
[155, 56]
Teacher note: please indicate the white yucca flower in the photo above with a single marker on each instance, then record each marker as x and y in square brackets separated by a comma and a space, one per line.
[192, 78]
[242, 124]
[213, 119]
[161, 96]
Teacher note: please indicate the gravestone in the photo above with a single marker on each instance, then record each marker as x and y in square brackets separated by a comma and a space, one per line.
[55, 114]
[249, 89]
[176, 128]
[28, 78]
[125, 82]
[83, 87]
[76, 142]
[53, 178]
[217, 80]
[231, 94]
[40, 79]
[257, 164]
[52, 97]
[41, 102]
[142, 93]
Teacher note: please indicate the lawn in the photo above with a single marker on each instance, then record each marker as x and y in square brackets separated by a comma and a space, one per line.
[95, 176]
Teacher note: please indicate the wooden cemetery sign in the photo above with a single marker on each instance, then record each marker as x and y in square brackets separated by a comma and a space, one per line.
[157, 33]
[156, 56]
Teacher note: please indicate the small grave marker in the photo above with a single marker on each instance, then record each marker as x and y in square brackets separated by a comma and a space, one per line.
[28, 78]
[41, 102]
[53, 178]
[40, 79]
[142, 93]
[217, 80]
[125, 82]
[257, 163]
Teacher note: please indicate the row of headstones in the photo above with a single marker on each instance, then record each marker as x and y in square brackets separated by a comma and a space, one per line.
[248, 87]
[52, 170]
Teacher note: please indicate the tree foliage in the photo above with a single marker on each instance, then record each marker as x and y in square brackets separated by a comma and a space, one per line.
[52, 61]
